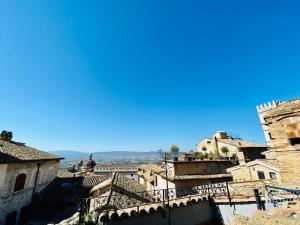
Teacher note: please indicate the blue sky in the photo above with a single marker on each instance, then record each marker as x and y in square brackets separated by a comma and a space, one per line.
[141, 75]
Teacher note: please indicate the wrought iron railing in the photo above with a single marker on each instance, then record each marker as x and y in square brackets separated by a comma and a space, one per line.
[115, 200]
[278, 196]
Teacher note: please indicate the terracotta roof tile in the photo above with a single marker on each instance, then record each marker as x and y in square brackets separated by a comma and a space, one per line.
[11, 151]
[239, 143]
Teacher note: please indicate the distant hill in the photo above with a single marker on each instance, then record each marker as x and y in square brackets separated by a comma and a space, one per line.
[109, 157]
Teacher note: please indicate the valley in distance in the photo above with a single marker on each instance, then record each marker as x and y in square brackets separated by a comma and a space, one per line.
[108, 157]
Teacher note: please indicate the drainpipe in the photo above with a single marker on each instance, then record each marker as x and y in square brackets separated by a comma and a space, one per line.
[36, 180]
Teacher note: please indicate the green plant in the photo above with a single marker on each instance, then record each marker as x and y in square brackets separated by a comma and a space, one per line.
[200, 155]
[174, 149]
[224, 150]
[205, 155]
[87, 220]
[210, 155]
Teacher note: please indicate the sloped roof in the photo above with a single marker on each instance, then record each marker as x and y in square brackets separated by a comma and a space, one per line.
[91, 181]
[124, 193]
[156, 168]
[117, 167]
[239, 143]
[11, 151]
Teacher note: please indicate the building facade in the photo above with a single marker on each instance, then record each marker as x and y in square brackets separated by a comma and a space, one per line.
[255, 170]
[24, 172]
[184, 174]
[225, 146]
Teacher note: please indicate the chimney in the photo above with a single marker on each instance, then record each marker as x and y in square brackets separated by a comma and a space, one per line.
[6, 136]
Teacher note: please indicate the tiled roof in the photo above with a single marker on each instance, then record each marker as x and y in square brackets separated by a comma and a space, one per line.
[91, 181]
[124, 193]
[239, 143]
[120, 201]
[124, 183]
[156, 168]
[11, 151]
[119, 167]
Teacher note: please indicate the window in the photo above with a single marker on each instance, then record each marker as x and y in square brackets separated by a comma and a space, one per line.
[261, 175]
[20, 182]
[294, 141]
[272, 175]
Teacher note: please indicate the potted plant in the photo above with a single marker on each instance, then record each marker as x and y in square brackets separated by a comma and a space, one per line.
[174, 152]
[210, 156]
[224, 150]
[200, 155]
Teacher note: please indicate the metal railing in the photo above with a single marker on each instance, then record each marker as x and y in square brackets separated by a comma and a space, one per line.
[278, 196]
[119, 200]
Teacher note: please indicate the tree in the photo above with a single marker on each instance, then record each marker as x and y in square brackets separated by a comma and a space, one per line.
[174, 150]
[224, 150]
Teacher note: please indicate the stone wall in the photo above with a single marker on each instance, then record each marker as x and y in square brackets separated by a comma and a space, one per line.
[200, 167]
[249, 173]
[284, 125]
[14, 201]
[242, 173]
[289, 165]
[184, 215]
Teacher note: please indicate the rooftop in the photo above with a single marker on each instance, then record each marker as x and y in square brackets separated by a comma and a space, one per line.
[239, 143]
[11, 151]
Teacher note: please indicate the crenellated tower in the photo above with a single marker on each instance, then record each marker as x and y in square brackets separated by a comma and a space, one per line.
[262, 110]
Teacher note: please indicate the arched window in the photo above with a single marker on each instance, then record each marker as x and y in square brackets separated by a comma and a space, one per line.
[20, 182]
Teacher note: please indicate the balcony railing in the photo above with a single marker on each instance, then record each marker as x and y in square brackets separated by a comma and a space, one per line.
[278, 196]
[163, 196]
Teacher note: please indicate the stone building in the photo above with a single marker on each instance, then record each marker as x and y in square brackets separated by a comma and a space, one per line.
[283, 125]
[259, 169]
[184, 174]
[24, 172]
[245, 151]
[129, 170]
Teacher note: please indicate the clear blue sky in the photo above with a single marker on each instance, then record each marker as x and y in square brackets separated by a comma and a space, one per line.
[139, 75]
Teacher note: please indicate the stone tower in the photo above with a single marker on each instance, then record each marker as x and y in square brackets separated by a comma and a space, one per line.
[262, 111]
[283, 127]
